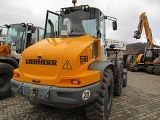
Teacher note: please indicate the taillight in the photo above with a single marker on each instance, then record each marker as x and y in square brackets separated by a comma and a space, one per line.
[76, 82]
[16, 75]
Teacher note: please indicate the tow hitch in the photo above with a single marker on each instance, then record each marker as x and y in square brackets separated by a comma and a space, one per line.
[32, 92]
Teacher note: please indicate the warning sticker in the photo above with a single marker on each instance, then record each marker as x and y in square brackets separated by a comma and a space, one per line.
[67, 65]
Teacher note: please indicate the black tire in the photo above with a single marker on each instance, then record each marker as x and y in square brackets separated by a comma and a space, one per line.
[124, 78]
[6, 73]
[100, 108]
[118, 83]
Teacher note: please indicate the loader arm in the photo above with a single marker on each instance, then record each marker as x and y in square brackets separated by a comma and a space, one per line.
[143, 22]
[4, 50]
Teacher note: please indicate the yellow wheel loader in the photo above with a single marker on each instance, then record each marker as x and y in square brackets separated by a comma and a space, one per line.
[69, 68]
[19, 36]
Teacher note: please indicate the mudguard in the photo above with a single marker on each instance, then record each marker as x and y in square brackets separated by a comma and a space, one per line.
[101, 65]
[10, 61]
[117, 67]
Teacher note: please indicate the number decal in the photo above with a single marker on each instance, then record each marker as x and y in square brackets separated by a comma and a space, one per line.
[86, 94]
[83, 59]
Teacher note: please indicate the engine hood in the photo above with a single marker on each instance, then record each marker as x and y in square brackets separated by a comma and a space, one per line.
[52, 58]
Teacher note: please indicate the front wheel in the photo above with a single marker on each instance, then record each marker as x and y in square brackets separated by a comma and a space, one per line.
[118, 82]
[6, 73]
[100, 108]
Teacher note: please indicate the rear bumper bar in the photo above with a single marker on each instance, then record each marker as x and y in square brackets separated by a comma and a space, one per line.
[56, 96]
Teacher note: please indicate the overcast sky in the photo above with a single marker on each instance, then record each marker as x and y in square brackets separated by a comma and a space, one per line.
[127, 13]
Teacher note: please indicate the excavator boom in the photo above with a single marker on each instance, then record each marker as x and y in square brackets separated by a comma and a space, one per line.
[143, 22]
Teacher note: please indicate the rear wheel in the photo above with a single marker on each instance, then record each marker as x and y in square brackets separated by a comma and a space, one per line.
[6, 73]
[118, 83]
[100, 108]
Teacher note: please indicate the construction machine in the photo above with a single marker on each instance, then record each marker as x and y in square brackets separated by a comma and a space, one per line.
[151, 53]
[19, 37]
[2, 36]
[67, 69]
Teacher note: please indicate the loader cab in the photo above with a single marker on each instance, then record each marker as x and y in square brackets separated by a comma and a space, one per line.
[21, 36]
[75, 22]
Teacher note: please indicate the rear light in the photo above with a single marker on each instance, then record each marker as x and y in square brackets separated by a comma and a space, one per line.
[75, 105]
[76, 82]
[15, 75]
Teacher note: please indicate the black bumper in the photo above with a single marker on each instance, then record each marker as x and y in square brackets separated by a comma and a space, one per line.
[56, 96]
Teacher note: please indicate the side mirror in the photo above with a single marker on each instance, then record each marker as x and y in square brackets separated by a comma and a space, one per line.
[114, 25]
[23, 24]
[7, 26]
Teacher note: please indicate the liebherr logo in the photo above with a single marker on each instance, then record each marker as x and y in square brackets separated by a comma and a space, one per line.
[41, 62]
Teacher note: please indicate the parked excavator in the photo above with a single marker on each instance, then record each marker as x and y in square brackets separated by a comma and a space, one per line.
[19, 37]
[69, 69]
[144, 61]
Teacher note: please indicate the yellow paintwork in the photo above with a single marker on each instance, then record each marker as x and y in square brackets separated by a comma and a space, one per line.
[4, 50]
[138, 59]
[62, 50]
[144, 23]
